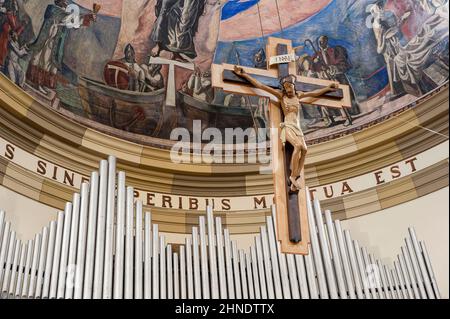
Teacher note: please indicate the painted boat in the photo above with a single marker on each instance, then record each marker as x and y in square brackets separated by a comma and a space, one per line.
[137, 112]
[215, 115]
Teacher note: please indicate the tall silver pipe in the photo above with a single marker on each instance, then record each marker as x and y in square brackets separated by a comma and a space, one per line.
[336, 256]
[82, 237]
[278, 263]
[57, 252]
[155, 262]
[23, 293]
[20, 274]
[7, 271]
[411, 273]
[430, 269]
[401, 280]
[49, 262]
[88, 275]
[148, 257]
[371, 273]
[129, 239]
[345, 259]
[109, 231]
[357, 278]
[138, 260]
[405, 273]
[2, 226]
[362, 269]
[236, 272]
[315, 249]
[204, 259]
[189, 269]
[377, 273]
[4, 244]
[99, 260]
[221, 259]
[293, 278]
[120, 238]
[176, 277]
[303, 282]
[196, 264]
[415, 266]
[267, 263]
[329, 272]
[229, 265]
[4, 248]
[384, 281]
[214, 281]
[311, 289]
[250, 283]
[169, 272]
[420, 260]
[70, 232]
[42, 260]
[162, 267]
[34, 266]
[183, 281]
[397, 284]
[391, 283]
[15, 269]
[244, 283]
[255, 270]
[69, 281]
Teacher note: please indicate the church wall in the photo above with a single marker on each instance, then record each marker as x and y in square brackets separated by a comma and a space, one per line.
[27, 217]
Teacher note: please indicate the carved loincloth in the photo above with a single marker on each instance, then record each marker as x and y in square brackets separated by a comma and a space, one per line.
[291, 126]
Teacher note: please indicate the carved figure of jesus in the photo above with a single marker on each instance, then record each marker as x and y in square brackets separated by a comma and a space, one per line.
[290, 103]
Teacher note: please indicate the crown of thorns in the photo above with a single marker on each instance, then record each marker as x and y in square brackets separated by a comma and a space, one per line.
[288, 79]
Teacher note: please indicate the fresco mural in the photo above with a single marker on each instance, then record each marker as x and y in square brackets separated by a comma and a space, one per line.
[143, 66]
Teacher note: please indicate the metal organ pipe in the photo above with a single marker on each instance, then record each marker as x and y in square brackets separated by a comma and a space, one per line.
[104, 246]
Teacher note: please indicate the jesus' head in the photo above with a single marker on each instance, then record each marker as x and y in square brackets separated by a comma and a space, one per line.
[288, 85]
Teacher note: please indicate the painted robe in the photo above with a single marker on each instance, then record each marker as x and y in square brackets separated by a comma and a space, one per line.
[177, 24]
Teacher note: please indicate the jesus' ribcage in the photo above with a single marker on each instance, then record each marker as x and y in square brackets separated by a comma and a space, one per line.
[293, 207]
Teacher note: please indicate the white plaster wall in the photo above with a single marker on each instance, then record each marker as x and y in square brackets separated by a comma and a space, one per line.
[27, 217]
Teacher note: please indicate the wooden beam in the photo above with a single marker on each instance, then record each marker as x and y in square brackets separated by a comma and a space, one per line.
[230, 76]
[238, 88]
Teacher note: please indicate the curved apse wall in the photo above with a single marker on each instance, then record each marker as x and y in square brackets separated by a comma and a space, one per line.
[92, 62]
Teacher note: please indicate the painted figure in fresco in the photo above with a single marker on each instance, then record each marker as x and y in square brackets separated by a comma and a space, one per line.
[407, 63]
[332, 63]
[234, 100]
[291, 132]
[153, 78]
[135, 73]
[48, 48]
[311, 114]
[13, 68]
[142, 78]
[199, 86]
[259, 59]
[387, 34]
[175, 27]
[9, 22]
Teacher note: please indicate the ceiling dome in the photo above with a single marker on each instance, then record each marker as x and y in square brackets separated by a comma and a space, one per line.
[138, 69]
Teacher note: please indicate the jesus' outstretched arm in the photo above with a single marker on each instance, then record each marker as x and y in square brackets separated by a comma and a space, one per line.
[241, 73]
[319, 93]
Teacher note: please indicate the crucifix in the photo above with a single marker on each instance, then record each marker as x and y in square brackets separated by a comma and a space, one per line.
[286, 92]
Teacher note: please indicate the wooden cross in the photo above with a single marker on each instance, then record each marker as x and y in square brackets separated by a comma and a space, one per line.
[292, 215]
